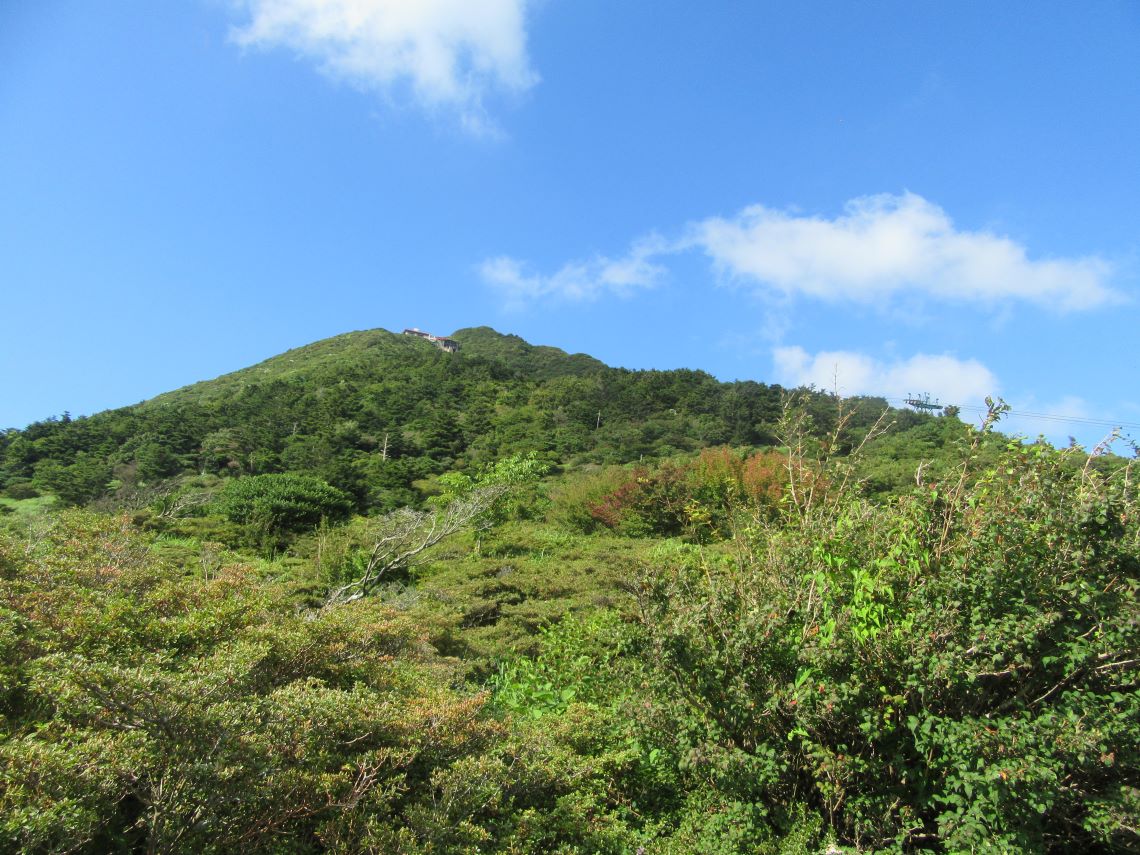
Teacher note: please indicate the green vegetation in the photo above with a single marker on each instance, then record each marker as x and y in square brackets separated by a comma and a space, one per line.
[30, 507]
[274, 630]
[959, 666]
[378, 415]
[272, 506]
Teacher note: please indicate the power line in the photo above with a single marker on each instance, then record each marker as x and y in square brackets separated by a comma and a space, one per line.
[1051, 417]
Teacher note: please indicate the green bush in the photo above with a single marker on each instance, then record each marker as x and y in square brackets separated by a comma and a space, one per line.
[21, 490]
[146, 710]
[959, 668]
[572, 498]
[272, 506]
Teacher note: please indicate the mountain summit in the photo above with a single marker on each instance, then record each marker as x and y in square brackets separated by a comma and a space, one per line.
[375, 413]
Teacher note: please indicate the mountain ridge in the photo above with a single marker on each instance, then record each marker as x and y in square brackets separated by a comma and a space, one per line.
[479, 342]
[375, 413]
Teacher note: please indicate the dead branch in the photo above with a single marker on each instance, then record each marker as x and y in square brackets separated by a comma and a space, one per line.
[402, 537]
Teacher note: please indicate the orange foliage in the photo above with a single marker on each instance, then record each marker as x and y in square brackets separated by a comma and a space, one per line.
[764, 478]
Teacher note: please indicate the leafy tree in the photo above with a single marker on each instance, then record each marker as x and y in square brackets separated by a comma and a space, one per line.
[75, 483]
[155, 461]
[221, 451]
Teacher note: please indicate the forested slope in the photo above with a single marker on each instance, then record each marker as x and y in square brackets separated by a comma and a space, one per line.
[372, 412]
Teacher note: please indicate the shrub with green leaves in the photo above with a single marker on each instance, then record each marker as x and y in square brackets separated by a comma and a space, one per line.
[272, 506]
[959, 668]
[145, 708]
[572, 498]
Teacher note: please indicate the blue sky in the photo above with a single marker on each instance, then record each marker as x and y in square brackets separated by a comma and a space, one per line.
[883, 197]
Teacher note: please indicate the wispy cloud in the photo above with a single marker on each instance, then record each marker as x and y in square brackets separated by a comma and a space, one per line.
[578, 281]
[448, 53]
[887, 245]
[951, 380]
[883, 250]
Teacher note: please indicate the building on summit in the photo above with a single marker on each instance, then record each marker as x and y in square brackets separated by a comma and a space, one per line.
[448, 344]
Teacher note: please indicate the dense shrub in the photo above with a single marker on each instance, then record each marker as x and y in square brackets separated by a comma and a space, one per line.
[271, 506]
[959, 667]
[143, 709]
[647, 503]
[572, 499]
[703, 498]
[21, 490]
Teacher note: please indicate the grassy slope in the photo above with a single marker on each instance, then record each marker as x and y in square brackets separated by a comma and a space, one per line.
[538, 361]
[365, 351]
[26, 509]
[344, 351]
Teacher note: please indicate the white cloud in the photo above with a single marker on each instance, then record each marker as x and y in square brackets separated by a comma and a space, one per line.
[578, 281]
[963, 382]
[450, 53]
[886, 245]
[950, 380]
[883, 250]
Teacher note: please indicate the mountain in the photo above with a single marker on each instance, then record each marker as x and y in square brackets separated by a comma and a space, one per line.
[374, 412]
[369, 353]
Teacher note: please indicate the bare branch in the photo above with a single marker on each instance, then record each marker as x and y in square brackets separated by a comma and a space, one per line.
[402, 537]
